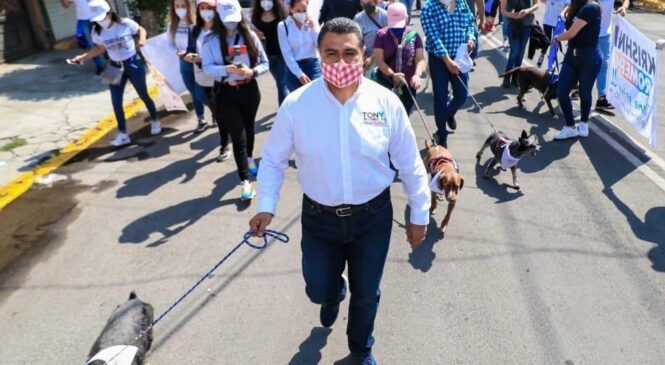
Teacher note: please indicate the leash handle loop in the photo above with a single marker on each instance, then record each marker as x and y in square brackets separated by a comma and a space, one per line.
[268, 233]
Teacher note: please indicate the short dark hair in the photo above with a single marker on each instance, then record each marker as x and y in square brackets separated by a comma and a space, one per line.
[341, 26]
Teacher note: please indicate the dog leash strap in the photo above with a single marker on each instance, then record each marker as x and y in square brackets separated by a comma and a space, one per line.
[468, 91]
[279, 236]
[420, 112]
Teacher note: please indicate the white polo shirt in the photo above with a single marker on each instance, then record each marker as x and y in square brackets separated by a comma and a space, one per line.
[342, 150]
[298, 45]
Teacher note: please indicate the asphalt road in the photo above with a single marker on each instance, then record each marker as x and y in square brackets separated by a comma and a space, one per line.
[569, 270]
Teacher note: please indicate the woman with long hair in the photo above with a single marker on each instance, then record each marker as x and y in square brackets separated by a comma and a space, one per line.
[266, 15]
[581, 64]
[181, 17]
[235, 56]
[298, 35]
[519, 14]
[115, 36]
[205, 20]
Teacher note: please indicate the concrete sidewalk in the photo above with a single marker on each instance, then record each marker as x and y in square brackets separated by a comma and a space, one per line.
[45, 104]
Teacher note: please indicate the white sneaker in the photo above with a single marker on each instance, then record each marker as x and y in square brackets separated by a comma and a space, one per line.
[247, 191]
[121, 139]
[583, 129]
[155, 127]
[566, 132]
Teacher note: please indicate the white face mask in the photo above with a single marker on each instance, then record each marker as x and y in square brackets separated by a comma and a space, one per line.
[266, 5]
[208, 15]
[104, 23]
[181, 13]
[300, 17]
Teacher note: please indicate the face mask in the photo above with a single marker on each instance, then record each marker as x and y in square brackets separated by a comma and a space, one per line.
[181, 13]
[369, 8]
[342, 74]
[300, 17]
[104, 23]
[267, 5]
[208, 15]
[231, 25]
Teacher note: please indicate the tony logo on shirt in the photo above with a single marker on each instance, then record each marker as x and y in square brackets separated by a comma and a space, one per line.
[374, 118]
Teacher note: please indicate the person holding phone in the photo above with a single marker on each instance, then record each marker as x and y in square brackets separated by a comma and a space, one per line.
[115, 36]
[181, 20]
[234, 55]
[205, 17]
[297, 39]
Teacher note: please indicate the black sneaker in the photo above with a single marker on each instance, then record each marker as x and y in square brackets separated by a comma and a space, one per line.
[575, 95]
[452, 123]
[224, 155]
[201, 126]
[603, 104]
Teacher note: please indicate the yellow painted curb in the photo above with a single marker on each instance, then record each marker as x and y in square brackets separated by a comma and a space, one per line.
[24, 181]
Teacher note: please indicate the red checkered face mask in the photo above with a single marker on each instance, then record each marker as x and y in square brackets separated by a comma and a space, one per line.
[342, 74]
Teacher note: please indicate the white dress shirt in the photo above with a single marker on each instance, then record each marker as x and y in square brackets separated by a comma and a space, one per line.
[342, 150]
[300, 44]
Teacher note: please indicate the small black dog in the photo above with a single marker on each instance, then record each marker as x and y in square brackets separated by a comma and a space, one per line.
[533, 77]
[124, 328]
[508, 152]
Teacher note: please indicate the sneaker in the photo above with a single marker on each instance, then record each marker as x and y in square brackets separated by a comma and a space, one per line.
[329, 312]
[122, 139]
[253, 169]
[201, 126]
[583, 129]
[364, 359]
[602, 103]
[155, 127]
[452, 123]
[248, 192]
[566, 132]
[224, 155]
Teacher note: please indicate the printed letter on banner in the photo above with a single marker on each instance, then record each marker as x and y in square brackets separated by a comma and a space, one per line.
[632, 78]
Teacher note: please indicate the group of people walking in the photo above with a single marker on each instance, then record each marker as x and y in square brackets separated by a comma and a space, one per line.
[321, 62]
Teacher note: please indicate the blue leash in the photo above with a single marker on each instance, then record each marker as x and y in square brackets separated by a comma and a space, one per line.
[282, 237]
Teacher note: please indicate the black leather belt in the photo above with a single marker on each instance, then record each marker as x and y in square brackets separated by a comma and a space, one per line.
[348, 209]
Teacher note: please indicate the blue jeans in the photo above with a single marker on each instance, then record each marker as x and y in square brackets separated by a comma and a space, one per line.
[83, 29]
[310, 66]
[518, 38]
[360, 240]
[443, 109]
[199, 98]
[134, 72]
[605, 45]
[278, 70]
[584, 68]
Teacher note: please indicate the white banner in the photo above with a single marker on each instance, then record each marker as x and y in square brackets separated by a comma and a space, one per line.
[632, 78]
[162, 54]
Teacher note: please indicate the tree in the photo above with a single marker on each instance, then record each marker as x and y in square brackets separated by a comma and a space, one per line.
[152, 14]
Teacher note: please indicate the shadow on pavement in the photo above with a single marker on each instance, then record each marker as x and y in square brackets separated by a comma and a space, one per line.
[172, 220]
[46, 76]
[309, 351]
[422, 258]
[501, 192]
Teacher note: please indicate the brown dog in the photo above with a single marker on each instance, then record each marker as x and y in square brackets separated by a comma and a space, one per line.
[441, 165]
[534, 77]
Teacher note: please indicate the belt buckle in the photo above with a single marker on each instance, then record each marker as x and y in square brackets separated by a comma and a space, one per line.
[343, 212]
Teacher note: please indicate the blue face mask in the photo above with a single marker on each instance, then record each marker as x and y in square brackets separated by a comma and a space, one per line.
[398, 32]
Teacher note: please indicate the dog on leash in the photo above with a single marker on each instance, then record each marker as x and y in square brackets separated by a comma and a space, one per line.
[534, 77]
[446, 181]
[508, 152]
[124, 339]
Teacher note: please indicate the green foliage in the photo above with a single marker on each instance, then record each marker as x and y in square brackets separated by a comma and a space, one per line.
[158, 7]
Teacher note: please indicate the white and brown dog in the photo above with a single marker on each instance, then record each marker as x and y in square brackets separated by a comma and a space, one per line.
[446, 181]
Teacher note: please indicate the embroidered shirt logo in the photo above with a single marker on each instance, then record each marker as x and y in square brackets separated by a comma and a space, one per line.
[374, 118]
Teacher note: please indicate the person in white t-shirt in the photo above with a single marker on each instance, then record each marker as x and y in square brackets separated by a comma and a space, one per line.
[553, 8]
[116, 36]
[83, 28]
[605, 44]
[181, 17]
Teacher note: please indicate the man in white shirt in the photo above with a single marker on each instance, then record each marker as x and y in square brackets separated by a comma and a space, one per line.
[344, 130]
[83, 28]
[604, 42]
